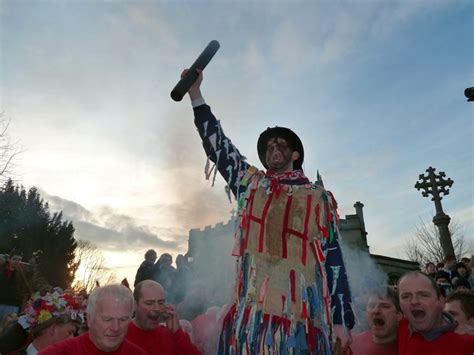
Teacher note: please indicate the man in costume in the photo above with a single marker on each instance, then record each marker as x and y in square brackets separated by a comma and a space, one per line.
[292, 293]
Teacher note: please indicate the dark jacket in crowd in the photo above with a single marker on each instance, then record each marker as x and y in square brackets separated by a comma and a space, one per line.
[145, 272]
[9, 283]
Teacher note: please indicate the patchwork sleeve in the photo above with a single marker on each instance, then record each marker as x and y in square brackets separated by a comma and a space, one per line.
[338, 285]
[219, 149]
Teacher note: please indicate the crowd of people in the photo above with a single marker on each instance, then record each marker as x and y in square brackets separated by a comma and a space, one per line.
[422, 314]
[173, 279]
[451, 275]
[427, 312]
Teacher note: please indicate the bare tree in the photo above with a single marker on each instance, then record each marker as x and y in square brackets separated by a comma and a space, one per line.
[8, 149]
[90, 267]
[424, 245]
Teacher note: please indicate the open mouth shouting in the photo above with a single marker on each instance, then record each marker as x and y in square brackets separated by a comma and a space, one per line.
[418, 314]
[154, 317]
[276, 153]
[378, 322]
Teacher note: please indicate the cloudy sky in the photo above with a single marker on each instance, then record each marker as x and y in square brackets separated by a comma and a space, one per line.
[373, 88]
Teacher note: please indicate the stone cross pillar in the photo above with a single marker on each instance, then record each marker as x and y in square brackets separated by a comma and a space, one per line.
[435, 185]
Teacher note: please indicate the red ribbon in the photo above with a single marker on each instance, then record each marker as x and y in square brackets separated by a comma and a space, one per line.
[292, 285]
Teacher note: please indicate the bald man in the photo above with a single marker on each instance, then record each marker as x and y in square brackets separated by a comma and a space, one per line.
[156, 323]
[426, 329]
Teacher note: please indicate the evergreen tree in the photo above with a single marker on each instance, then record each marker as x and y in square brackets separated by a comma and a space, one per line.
[26, 225]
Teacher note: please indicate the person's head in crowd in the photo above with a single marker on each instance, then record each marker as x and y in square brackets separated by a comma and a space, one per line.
[461, 269]
[420, 301]
[81, 296]
[165, 260]
[439, 266]
[461, 284]
[449, 262]
[109, 310]
[151, 255]
[383, 314]
[181, 261]
[460, 305]
[53, 317]
[13, 336]
[466, 261]
[430, 268]
[14, 259]
[150, 304]
[443, 281]
[442, 277]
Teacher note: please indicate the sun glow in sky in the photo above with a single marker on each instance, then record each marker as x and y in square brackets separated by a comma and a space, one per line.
[373, 88]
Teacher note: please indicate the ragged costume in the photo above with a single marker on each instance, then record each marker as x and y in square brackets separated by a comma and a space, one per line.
[291, 286]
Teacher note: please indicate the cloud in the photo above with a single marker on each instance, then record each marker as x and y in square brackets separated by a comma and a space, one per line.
[129, 237]
[391, 16]
[152, 18]
[253, 59]
[107, 229]
[70, 209]
[465, 215]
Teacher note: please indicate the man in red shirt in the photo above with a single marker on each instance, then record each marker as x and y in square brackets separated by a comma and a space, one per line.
[383, 314]
[146, 329]
[426, 329]
[109, 311]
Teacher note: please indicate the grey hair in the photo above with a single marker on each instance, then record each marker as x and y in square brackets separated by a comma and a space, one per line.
[117, 291]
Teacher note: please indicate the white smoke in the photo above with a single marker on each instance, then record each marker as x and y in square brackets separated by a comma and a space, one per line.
[365, 278]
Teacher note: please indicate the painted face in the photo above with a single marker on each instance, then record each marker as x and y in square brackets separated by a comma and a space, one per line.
[62, 331]
[454, 308]
[150, 308]
[109, 325]
[383, 319]
[279, 155]
[419, 303]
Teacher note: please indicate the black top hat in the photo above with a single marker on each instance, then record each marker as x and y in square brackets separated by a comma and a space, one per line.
[280, 132]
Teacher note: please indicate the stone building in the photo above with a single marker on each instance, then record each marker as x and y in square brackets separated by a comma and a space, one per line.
[353, 230]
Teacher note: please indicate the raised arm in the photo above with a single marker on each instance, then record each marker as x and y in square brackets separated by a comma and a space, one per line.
[218, 147]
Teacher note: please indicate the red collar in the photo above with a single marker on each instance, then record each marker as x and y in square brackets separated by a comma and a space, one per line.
[287, 175]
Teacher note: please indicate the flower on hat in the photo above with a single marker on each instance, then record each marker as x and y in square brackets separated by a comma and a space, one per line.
[42, 308]
[44, 315]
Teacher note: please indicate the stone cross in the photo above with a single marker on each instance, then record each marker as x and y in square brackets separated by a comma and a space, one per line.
[436, 185]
